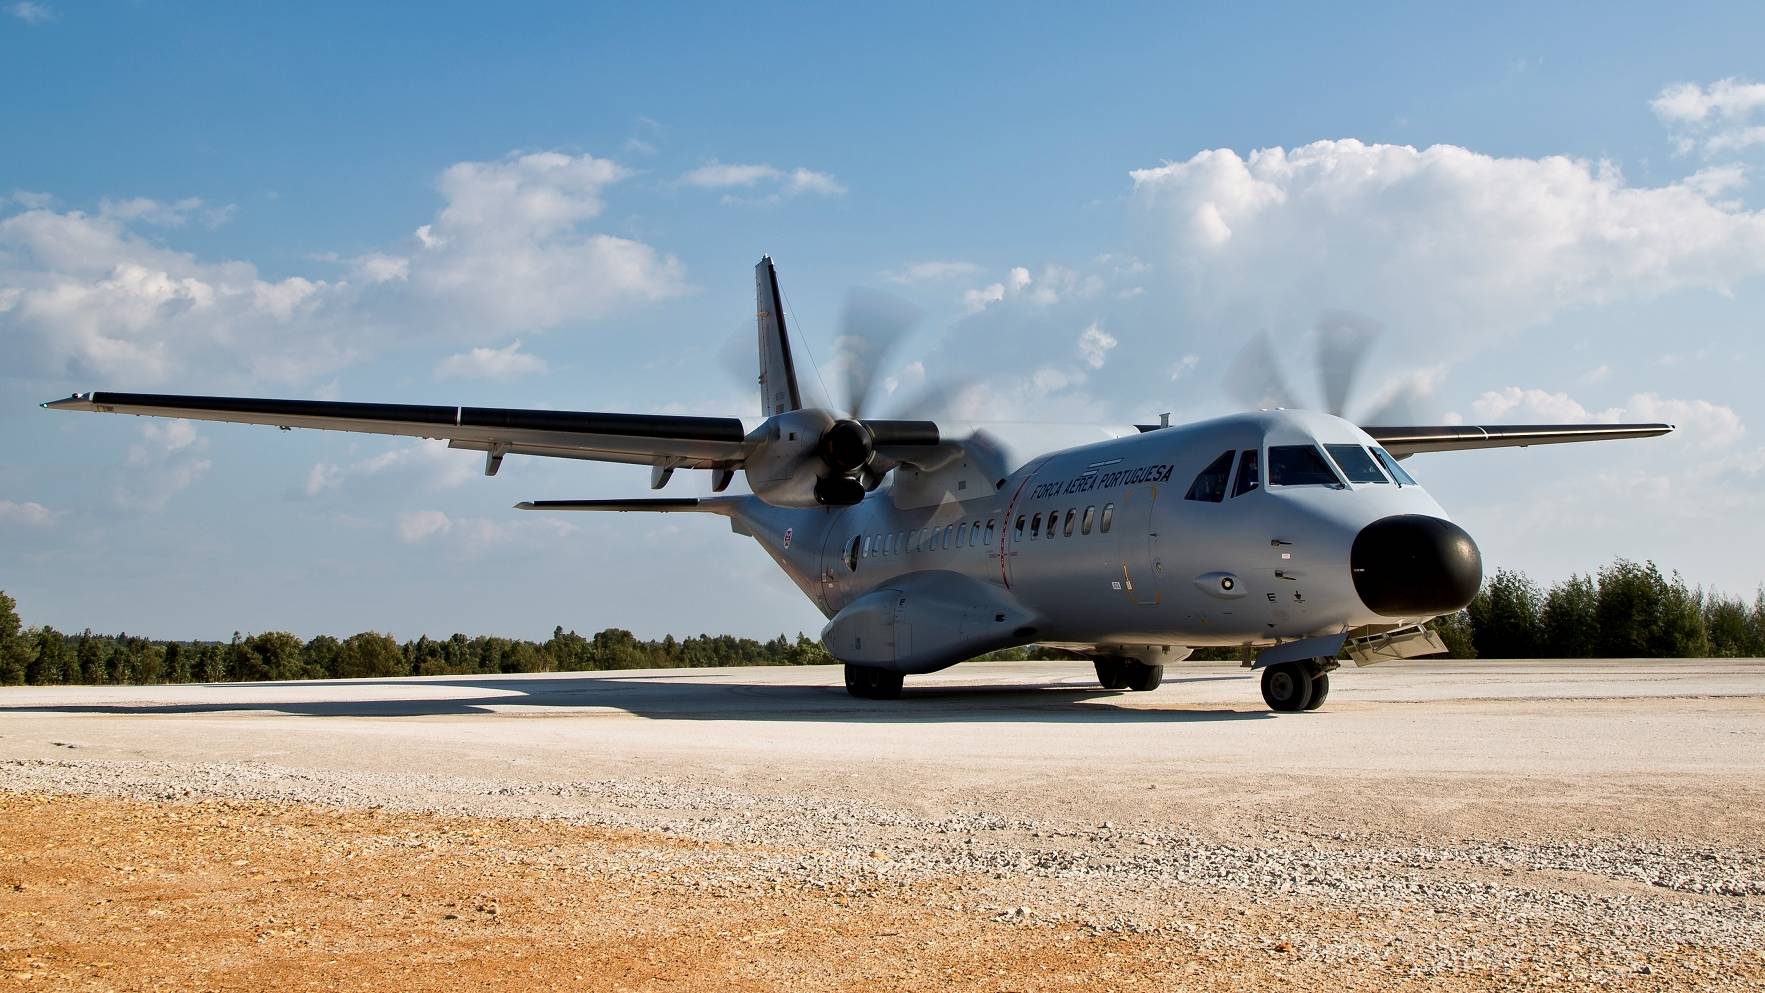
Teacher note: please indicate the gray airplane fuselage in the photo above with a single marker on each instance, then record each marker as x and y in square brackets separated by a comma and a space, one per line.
[1095, 545]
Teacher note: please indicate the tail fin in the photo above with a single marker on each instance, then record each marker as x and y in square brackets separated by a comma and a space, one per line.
[778, 374]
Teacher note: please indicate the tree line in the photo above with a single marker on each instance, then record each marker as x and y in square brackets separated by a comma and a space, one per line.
[1624, 610]
[45, 656]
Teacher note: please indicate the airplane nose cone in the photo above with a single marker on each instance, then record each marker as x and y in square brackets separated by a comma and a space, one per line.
[1414, 564]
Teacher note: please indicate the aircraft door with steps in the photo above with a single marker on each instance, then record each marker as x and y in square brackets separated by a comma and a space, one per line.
[1136, 543]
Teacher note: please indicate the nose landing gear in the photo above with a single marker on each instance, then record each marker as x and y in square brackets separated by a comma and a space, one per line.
[1292, 687]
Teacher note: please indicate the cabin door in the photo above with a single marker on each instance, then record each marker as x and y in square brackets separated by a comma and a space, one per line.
[1136, 543]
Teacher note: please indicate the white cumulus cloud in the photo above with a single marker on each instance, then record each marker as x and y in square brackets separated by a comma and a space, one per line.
[1095, 344]
[1725, 116]
[758, 176]
[1705, 424]
[1443, 242]
[29, 514]
[31, 13]
[502, 364]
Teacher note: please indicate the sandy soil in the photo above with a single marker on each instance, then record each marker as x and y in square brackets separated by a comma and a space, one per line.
[1564, 826]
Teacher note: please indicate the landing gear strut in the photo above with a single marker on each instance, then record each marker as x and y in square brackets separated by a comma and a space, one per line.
[1117, 672]
[868, 682]
[1292, 687]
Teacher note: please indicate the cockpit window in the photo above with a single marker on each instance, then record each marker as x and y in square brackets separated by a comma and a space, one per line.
[1391, 466]
[1356, 464]
[1247, 474]
[1299, 465]
[1210, 486]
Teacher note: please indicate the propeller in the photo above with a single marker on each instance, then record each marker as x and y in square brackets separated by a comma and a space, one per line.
[1343, 342]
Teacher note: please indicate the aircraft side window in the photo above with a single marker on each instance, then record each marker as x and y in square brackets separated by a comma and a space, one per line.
[1396, 470]
[1053, 523]
[866, 552]
[1247, 473]
[1090, 515]
[961, 534]
[1070, 516]
[925, 544]
[949, 535]
[1017, 532]
[1108, 517]
[1210, 486]
[852, 555]
[876, 544]
[989, 538]
[974, 534]
[1356, 464]
[1035, 526]
[906, 536]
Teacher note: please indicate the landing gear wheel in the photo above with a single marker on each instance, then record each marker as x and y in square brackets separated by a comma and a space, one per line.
[1320, 689]
[1287, 687]
[1112, 672]
[1143, 677]
[867, 682]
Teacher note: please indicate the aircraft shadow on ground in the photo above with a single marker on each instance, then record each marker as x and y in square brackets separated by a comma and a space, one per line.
[702, 696]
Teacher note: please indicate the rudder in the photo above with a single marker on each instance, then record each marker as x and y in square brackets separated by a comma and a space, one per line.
[778, 373]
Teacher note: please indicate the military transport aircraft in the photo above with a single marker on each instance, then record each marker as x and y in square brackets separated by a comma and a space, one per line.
[1295, 532]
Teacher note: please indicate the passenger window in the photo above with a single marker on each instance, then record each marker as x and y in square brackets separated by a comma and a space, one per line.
[876, 544]
[1391, 465]
[1300, 465]
[925, 544]
[989, 538]
[1356, 464]
[949, 533]
[974, 534]
[1210, 486]
[1090, 515]
[1053, 522]
[866, 552]
[852, 555]
[961, 534]
[1070, 516]
[1247, 473]
[1108, 518]
[1017, 532]
[1035, 525]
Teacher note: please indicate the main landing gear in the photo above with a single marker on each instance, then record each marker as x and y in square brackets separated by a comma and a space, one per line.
[1117, 672]
[867, 682]
[1292, 687]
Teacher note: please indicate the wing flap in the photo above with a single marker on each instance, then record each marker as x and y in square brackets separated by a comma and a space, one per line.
[688, 442]
[1412, 440]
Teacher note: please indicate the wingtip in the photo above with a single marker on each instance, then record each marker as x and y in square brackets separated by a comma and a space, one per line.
[79, 401]
[524, 505]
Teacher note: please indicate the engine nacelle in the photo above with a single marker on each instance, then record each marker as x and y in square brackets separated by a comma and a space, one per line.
[785, 465]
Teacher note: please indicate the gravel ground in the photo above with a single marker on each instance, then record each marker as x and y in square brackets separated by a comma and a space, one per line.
[1564, 825]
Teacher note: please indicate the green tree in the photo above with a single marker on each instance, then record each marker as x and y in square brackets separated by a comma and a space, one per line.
[1570, 619]
[15, 651]
[319, 657]
[370, 655]
[1505, 617]
[88, 659]
[49, 663]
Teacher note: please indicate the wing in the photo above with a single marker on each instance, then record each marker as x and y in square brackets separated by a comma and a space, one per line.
[664, 442]
[1402, 441]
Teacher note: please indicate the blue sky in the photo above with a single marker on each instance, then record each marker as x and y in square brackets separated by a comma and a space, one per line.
[1555, 217]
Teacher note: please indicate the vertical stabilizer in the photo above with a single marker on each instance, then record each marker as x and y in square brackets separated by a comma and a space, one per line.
[778, 373]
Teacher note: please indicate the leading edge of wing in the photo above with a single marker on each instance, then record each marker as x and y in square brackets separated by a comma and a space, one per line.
[1414, 439]
[656, 505]
[446, 421]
